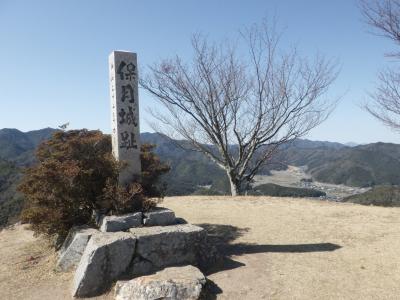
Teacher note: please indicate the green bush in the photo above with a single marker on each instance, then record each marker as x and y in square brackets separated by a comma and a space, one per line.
[76, 175]
[275, 190]
[388, 196]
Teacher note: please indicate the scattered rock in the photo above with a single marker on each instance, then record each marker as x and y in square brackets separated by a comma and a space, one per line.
[120, 223]
[163, 246]
[159, 216]
[176, 283]
[106, 257]
[73, 247]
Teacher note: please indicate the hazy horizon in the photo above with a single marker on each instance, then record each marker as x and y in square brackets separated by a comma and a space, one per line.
[348, 143]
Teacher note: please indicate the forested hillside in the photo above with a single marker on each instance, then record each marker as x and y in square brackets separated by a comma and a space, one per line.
[365, 165]
[193, 173]
[16, 152]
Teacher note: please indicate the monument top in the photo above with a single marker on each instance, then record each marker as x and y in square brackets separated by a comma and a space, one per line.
[122, 51]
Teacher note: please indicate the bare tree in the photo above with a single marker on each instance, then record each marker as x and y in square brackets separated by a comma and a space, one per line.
[238, 109]
[383, 16]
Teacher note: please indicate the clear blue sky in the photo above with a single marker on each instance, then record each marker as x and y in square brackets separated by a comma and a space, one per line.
[53, 54]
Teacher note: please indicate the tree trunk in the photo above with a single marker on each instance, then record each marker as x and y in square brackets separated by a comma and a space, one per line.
[235, 184]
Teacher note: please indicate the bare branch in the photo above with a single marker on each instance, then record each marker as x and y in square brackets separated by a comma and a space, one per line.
[244, 105]
[384, 17]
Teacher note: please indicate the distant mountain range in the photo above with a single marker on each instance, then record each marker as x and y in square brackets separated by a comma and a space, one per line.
[19, 147]
[192, 173]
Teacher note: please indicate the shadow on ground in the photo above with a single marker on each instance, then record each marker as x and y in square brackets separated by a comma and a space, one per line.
[222, 237]
[239, 249]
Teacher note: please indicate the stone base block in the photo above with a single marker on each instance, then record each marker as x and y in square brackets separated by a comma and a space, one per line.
[176, 283]
[74, 245]
[120, 223]
[158, 247]
[106, 257]
[159, 216]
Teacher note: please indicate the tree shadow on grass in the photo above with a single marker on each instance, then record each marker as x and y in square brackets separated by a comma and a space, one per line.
[239, 249]
[221, 237]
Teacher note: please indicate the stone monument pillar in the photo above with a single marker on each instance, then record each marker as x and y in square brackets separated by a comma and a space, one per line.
[125, 135]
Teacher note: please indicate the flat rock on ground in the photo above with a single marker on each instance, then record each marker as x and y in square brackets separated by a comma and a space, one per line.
[175, 283]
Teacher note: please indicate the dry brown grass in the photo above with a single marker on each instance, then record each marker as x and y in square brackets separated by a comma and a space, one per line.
[366, 266]
[276, 248]
[27, 268]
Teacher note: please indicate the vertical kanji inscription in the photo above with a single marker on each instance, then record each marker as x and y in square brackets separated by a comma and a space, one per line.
[125, 113]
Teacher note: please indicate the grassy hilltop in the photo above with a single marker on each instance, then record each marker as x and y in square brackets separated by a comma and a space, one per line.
[273, 248]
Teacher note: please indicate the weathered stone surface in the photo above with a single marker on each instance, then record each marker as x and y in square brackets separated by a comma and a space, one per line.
[125, 133]
[71, 252]
[159, 216]
[176, 283]
[106, 257]
[158, 247]
[180, 221]
[120, 223]
[208, 256]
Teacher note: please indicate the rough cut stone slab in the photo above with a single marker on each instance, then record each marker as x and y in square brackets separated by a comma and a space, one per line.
[158, 247]
[120, 223]
[159, 216]
[106, 257]
[176, 283]
[73, 247]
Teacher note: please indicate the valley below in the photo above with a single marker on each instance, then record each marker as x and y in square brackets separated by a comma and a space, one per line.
[299, 178]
